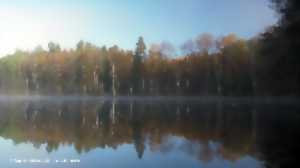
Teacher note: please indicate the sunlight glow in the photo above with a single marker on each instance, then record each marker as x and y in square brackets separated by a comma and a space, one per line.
[25, 28]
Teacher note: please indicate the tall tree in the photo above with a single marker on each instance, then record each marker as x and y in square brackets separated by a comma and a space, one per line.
[138, 58]
[105, 75]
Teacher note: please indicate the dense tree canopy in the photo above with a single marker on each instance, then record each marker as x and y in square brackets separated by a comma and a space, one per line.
[279, 60]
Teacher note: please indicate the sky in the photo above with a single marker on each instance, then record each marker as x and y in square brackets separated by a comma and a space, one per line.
[24, 24]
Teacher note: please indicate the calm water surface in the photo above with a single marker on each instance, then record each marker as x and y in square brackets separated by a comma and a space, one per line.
[152, 132]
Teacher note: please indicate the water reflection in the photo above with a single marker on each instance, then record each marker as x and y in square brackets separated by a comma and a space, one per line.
[253, 134]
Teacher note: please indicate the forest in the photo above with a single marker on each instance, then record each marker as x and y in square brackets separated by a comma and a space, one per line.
[265, 65]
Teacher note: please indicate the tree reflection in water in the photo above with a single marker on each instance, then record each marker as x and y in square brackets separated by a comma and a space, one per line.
[204, 130]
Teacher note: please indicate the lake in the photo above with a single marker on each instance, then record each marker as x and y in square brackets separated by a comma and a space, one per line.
[129, 132]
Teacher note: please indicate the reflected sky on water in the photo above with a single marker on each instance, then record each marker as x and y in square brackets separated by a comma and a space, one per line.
[148, 132]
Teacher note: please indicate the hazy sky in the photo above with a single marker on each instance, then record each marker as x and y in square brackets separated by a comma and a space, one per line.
[26, 23]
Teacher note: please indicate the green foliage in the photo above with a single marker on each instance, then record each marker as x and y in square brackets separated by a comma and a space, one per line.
[53, 47]
[136, 75]
[105, 76]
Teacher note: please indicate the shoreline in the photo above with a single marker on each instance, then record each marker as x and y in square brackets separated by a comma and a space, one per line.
[161, 98]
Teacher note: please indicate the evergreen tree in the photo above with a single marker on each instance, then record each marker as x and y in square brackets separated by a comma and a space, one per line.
[53, 47]
[105, 75]
[136, 73]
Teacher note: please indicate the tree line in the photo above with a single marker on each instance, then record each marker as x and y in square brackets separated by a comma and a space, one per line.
[225, 66]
